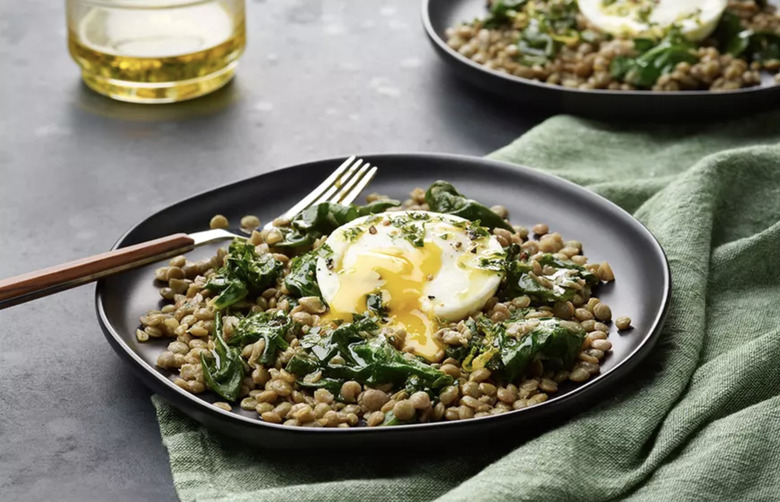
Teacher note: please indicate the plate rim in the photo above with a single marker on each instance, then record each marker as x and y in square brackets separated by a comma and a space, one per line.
[172, 393]
[458, 58]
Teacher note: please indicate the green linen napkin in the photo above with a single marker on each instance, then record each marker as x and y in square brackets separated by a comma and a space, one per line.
[699, 420]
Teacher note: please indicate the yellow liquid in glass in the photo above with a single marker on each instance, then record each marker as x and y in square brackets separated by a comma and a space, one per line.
[158, 55]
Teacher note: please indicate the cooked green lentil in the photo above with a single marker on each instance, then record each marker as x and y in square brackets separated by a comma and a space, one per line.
[623, 322]
[577, 55]
[218, 221]
[550, 296]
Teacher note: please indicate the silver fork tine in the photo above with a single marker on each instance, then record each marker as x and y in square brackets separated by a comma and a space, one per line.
[350, 183]
[325, 197]
[342, 186]
[352, 195]
[317, 192]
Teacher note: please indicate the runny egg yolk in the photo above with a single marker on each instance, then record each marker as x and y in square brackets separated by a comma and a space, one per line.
[401, 276]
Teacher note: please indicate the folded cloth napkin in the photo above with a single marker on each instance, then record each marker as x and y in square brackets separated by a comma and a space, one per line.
[699, 420]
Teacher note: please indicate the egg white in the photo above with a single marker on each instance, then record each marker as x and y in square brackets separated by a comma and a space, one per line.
[366, 250]
[696, 18]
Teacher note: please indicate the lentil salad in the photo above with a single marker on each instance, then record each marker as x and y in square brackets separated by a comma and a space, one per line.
[553, 42]
[251, 325]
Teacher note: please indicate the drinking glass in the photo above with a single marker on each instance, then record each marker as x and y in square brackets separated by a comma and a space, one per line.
[156, 51]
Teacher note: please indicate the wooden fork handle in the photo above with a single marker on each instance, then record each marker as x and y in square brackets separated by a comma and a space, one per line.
[25, 287]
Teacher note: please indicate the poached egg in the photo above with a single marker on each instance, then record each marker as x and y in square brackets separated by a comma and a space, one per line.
[634, 18]
[427, 267]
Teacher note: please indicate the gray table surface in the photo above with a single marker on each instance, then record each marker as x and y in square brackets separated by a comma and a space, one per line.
[320, 78]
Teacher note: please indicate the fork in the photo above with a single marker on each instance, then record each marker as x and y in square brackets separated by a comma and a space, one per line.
[342, 186]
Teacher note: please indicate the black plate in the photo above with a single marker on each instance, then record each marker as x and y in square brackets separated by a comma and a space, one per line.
[438, 15]
[608, 233]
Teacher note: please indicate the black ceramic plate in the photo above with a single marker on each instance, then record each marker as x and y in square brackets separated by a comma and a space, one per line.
[438, 15]
[608, 233]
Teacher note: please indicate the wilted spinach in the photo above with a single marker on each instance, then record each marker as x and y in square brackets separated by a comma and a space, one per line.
[745, 43]
[363, 357]
[536, 45]
[273, 328]
[547, 31]
[325, 217]
[500, 12]
[552, 340]
[653, 60]
[223, 369]
[244, 271]
[589, 277]
[519, 278]
[302, 279]
[443, 198]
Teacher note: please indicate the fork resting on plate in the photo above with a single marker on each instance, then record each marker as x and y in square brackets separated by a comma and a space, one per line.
[342, 186]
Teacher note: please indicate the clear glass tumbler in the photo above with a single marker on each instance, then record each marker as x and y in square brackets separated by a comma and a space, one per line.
[156, 51]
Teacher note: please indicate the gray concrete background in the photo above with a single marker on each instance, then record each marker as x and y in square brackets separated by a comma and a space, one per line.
[320, 78]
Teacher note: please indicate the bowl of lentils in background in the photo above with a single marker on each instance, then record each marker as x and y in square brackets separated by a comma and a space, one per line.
[553, 41]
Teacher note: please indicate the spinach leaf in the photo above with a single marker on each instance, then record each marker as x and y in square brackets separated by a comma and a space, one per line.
[502, 12]
[763, 47]
[589, 277]
[323, 218]
[379, 362]
[223, 370]
[377, 206]
[443, 198]
[331, 384]
[391, 419]
[244, 271]
[519, 279]
[302, 363]
[552, 340]
[548, 29]
[461, 352]
[302, 279]
[536, 45]
[653, 61]
[230, 291]
[745, 43]
[271, 327]
[727, 34]
[352, 352]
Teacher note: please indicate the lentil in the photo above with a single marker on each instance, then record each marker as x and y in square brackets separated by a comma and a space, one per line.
[218, 221]
[540, 229]
[350, 391]
[623, 323]
[374, 399]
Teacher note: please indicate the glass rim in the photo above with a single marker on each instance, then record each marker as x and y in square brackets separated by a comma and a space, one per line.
[145, 4]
